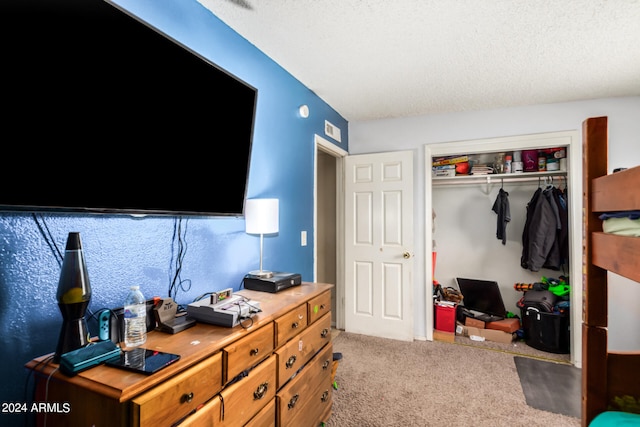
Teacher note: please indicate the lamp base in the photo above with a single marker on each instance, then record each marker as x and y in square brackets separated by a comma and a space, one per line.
[73, 335]
[261, 273]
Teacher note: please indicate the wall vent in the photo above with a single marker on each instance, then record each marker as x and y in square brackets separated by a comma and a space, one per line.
[332, 131]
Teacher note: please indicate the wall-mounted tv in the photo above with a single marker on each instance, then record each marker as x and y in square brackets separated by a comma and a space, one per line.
[103, 113]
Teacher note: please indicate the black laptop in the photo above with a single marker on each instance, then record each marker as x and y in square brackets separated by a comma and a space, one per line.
[482, 298]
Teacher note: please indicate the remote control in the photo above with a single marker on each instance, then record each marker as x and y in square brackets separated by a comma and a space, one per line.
[103, 325]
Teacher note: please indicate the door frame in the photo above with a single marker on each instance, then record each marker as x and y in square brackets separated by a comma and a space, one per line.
[324, 145]
[570, 139]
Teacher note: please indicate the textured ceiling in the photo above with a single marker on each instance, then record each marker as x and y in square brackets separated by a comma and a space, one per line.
[373, 59]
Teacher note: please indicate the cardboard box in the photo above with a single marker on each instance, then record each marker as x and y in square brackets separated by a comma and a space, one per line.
[443, 172]
[476, 323]
[445, 318]
[444, 336]
[505, 325]
[478, 334]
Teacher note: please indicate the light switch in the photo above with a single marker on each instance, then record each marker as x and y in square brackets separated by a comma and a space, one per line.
[303, 238]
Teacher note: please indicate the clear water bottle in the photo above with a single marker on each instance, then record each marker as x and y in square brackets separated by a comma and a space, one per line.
[135, 318]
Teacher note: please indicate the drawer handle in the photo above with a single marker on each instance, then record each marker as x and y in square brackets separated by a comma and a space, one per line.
[325, 365]
[254, 352]
[293, 401]
[324, 333]
[186, 398]
[261, 391]
[291, 361]
[325, 396]
[294, 325]
[322, 306]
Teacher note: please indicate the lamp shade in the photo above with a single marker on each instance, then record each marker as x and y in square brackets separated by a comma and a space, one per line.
[261, 216]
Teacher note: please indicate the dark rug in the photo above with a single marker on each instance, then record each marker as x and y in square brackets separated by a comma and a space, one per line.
[553, 387]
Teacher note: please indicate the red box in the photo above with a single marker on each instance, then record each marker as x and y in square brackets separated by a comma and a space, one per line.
[476, 323]
[445, 317]
[506, 325]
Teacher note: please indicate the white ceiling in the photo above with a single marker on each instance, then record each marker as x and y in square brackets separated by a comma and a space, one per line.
[373, 59]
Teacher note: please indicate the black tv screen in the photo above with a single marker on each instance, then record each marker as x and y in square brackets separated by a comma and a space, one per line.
[103, 113]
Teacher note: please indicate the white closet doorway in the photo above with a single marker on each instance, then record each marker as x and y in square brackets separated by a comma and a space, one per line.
[474, 199]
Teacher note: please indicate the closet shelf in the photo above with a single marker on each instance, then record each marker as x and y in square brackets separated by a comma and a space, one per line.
[495, 178]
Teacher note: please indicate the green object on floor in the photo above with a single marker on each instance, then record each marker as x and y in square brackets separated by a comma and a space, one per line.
[335, 385]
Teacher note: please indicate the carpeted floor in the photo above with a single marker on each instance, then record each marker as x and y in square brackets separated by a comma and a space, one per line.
[517, 348]
[384, 382]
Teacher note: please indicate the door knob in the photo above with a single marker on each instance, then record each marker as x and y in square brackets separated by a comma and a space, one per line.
[406, 255]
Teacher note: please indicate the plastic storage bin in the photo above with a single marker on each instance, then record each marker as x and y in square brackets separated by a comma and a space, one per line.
[546, 331]
[445, 317]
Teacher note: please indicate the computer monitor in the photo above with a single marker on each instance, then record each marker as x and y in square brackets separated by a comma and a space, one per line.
[482, 296]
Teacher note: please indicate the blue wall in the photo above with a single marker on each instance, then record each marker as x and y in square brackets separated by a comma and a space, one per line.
[122, 250]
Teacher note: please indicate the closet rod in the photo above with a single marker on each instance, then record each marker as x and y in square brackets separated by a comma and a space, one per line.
[496, 179]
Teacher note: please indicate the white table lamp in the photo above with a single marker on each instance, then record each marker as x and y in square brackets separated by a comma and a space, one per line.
[261, 217]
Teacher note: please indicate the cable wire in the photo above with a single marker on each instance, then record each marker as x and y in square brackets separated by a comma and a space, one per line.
[178, 252]
[38, 367]
[48, 238]
[46, 393]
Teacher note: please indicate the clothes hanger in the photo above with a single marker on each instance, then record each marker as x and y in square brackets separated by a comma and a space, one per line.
[548, 183]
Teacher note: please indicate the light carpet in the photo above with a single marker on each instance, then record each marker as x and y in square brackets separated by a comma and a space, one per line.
[383, 382]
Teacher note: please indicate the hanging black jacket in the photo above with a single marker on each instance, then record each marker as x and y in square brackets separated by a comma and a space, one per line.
[501, 207]
[539, 235]
[559, 253]
[524, 259]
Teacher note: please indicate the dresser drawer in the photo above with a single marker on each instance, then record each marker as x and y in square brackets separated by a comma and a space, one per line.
[315, 412]
[247, 352]
[319, 306]
[207, 416]
[241, 400]
[320, 366]
[179, 395]
[293, 355]
[266, 417]
[291, 324]
[308, 395]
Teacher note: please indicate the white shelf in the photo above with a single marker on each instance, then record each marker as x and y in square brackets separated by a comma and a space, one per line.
[495, 178]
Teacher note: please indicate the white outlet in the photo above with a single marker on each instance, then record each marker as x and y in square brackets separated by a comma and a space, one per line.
[303, 238]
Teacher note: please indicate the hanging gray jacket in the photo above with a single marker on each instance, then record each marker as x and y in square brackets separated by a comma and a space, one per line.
[539, 236]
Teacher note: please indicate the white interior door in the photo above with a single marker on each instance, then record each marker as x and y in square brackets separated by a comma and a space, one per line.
[379, 244]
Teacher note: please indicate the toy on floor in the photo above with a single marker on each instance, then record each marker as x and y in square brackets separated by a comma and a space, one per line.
[336, 360]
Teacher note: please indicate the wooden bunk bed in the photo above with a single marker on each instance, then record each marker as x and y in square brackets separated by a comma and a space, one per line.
[607, 376]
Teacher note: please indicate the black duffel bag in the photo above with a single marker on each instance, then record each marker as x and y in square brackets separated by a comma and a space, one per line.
[543, 301]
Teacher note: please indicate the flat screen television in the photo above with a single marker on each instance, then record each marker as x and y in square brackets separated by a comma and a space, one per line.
[103, 113]
[482, 296]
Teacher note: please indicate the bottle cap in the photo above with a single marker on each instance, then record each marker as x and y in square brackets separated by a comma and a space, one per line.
[134, 287]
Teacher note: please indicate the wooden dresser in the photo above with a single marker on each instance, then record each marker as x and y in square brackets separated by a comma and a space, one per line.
[272, 371]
